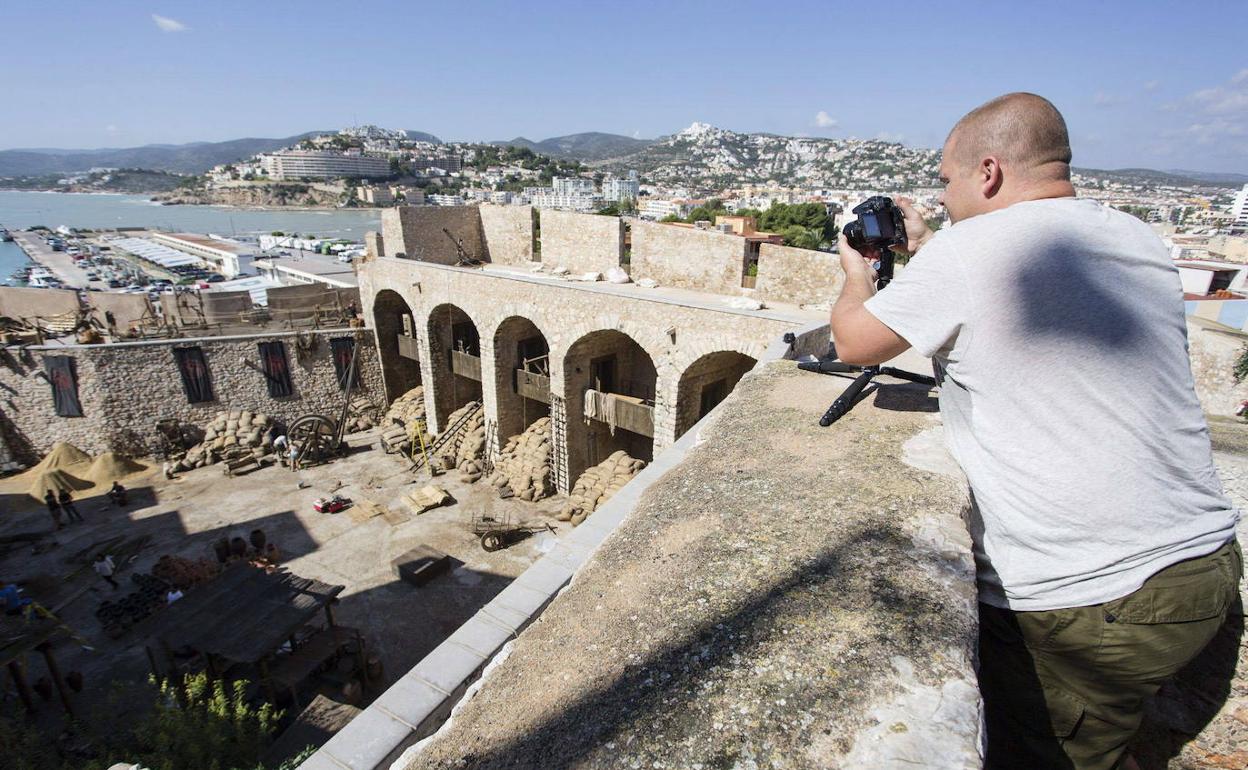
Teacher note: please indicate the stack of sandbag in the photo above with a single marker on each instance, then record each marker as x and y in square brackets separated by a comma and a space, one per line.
[598, 484]
[466, 451]
[362, 415]
[230, 433]
[400, 424]
[525, 464]
[407, 408]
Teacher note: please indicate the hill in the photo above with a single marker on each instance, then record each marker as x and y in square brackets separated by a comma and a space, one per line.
[421, 136]
[590, 146]
[193, 158]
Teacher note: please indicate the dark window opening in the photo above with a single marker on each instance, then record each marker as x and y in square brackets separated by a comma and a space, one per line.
[194, 370]
[465, 339]
[712, 394]
[602, 374]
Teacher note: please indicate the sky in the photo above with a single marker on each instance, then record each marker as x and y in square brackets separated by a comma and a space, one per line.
[1141, 83]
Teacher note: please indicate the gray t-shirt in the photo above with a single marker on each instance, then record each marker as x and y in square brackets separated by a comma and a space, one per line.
[1058, 333]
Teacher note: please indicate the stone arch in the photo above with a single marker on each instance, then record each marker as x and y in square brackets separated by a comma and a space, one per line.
[519, 397]
[454, 351]
[706, 382]
[396, 332]
[610, 361]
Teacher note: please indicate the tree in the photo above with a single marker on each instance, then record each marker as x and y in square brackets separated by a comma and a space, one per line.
[610, 211]
[670, 218]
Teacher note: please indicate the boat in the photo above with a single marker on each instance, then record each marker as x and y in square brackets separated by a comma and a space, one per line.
[5, 235]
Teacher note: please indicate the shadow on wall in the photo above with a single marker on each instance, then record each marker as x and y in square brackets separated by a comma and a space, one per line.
[673, 685]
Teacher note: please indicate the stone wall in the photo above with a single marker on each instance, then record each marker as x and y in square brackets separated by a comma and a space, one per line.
[416, 232]
[583, 243]
[1213, 353]
[125, 388]
[508, 233]
[374, 245]
[686, 258]
[797, 276]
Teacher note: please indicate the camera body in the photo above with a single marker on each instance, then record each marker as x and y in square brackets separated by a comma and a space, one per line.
[880, 225]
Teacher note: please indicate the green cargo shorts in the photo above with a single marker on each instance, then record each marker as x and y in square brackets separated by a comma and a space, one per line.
[1067, 688]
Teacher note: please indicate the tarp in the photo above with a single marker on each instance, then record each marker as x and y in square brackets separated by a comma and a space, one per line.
[342, 348]
[64, 378]
[276, 368]
[127, 309]
[194, 370]
[18, 302]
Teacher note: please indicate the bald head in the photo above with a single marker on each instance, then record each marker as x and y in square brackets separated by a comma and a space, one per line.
[1025, 132]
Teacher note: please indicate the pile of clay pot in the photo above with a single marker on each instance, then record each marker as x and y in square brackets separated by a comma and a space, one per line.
[466, 451]
[244, 429]
[524, 464]
[403, 420]
[598, 484]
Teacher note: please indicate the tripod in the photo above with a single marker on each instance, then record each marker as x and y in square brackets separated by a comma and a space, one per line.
[841, 406]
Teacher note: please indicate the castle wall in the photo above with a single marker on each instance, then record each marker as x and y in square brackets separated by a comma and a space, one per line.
[583, 243]
[797, 276]
[125, 388]
[703, 260]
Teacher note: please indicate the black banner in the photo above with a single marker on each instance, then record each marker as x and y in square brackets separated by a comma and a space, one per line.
[64, 378]
[194, 370]
[276, 368]
[342, 348]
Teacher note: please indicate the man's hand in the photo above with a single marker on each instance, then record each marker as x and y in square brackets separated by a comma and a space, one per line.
[854, 263]
[917, 231]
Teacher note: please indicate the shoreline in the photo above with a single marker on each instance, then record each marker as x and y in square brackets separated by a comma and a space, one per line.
[150, 198]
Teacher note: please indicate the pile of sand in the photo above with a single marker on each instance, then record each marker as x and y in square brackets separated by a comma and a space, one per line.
[56, 480]
[63, 455]
[111, 466]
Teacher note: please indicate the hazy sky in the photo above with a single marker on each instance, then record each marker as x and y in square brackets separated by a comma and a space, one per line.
[1142, 83]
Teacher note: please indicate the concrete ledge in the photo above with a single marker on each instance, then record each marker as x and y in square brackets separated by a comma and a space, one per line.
[197, 340]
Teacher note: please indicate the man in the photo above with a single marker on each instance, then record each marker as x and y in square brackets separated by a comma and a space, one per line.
[104, 567]
[117, 494]
[54, 508]
[1103, 541]
[67, 504]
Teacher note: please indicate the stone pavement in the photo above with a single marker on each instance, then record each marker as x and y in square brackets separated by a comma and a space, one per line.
[787, 596]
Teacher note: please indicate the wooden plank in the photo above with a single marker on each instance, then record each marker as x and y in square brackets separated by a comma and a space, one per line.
[465, 365]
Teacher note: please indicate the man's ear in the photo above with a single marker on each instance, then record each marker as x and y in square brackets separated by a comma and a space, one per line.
[990, 176]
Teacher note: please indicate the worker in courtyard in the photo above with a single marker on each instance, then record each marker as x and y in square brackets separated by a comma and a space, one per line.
[118, 495]
[67, 505]
[54, 508]
[1104, 543]
[105, 567]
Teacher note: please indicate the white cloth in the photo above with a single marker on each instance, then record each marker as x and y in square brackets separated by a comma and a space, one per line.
[104, 567]
[1057, 328]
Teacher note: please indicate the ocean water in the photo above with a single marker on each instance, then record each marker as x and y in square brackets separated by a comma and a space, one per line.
[19, 210]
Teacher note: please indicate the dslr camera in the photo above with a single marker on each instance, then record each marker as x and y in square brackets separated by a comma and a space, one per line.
[880, 225]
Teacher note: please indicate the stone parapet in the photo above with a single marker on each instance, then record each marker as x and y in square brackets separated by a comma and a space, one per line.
[583, 243]
[797, 276]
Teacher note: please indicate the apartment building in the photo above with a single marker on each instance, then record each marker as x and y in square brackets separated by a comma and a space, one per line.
[322, 164]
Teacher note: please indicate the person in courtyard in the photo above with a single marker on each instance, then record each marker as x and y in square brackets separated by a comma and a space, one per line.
[118, 494]
[67, 505]
[104, 567]
[1104, 543]
[54, 508]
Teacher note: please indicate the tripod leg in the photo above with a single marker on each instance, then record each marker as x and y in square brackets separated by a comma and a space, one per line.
[846, 400]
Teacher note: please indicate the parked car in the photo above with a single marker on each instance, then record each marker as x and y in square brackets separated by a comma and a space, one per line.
[113, 283]
[216, 278]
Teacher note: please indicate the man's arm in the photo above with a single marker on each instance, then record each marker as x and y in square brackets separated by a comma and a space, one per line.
[860, 337]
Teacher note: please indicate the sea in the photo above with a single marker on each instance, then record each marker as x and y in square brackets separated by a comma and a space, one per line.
[19, 210]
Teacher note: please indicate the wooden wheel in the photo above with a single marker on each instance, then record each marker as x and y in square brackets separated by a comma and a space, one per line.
[492, 541]
[312, 436]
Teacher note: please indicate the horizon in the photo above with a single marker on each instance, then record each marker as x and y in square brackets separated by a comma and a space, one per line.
[1134, 91]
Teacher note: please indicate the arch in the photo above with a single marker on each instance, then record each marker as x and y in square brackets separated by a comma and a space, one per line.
[392, 319]
[609, 361]
[706, 382]
[517, 340]
[454, 360]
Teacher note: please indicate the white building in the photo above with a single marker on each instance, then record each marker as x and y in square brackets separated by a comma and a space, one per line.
[546, 198]
[572, 186]
[445, 200]
[229, 258]
[1239, 208]
[322, 164]
[617, 190]
[657, 208]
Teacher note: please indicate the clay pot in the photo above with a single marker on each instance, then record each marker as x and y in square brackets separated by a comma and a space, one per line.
[222, 549]
[74, 680]
[43, 686]
[238, 547]
[258, 539]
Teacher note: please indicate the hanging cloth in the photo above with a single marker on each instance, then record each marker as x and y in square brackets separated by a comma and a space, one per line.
[194, 370]
[342, 348]
[276, 368]
[63, 375]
